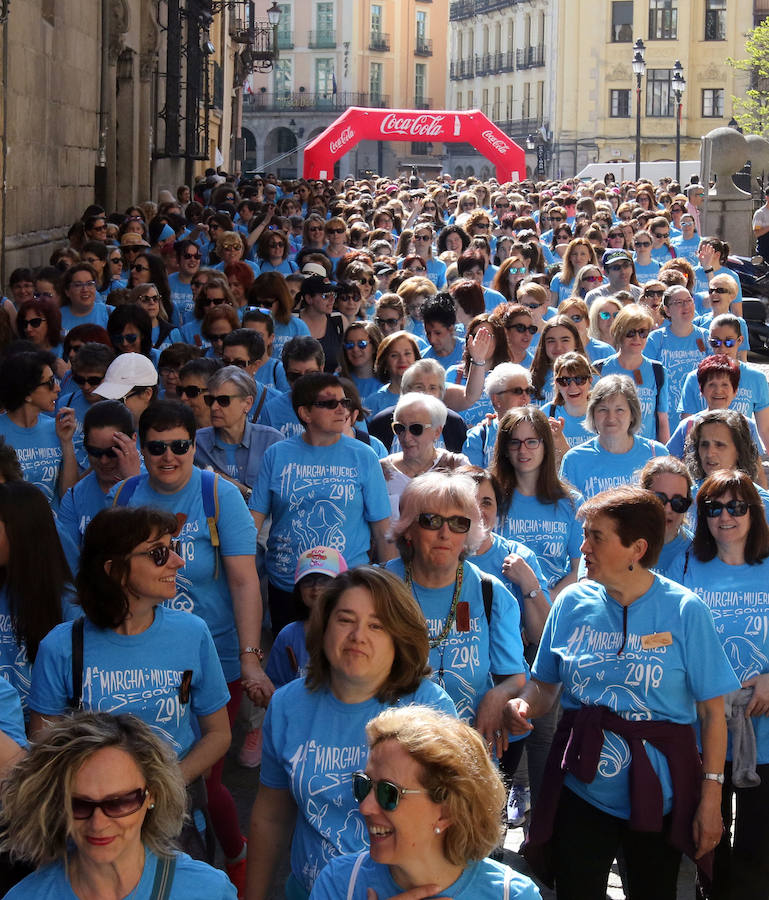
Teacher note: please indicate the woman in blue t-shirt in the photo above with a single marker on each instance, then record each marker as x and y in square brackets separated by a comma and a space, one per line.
[728, 569]
[669, 479]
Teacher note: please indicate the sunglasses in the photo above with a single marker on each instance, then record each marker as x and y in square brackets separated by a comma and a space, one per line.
[137, 267]
[32, 323]
[736, 508]
[114, 807]
[386, 323]
[333, 403]
[417, 269]
[516, 391]
[232, 247]
[521, 328]
[191, 391]
[120, 339]
[387, 793]
[423, 237]
[556, 219]
[653, 293]
[677, 503]
[434, 522]
[197, 284]
[416, 428]
[335, 230]
[607, 315]
[361, 345]
[98, 452]
[566, 380]
[90, 380]
[619, 266]
[661, 234]
[719, 290]
[50, 383]
[516, 270]
[178, 447]
[223, 400]
[642, 243]
[529, 443]
[191, 256]
[149, 298]
[240, 363]
[217, 301]
[159, 554]
[637, 332]
[726, 342]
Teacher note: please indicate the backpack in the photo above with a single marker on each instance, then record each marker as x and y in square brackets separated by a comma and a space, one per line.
[209, 486]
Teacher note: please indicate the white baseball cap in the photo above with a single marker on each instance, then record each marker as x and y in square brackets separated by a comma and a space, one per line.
[126, 372]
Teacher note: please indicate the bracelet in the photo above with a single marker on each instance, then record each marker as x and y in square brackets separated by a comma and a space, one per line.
[257, 651]
[708, 271]
[713, 776]
[479, 362]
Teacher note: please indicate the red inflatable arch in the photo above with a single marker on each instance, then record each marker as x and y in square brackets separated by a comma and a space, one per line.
[447, 126]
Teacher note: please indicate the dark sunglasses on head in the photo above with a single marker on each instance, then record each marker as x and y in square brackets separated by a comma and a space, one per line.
[223, 400]
[90, 380]
[32, 323]
[333, 403]
[637, 332]
[566, 380]
[387, 793]
[178, 448]
[434, 522]
[112, 807]
[736, 508]
[98, 452]
[190, 391]
[678, 503]
[120, 339]
[416, 428]
[521, 328]
[726, 342]
[159, 554]
[361, 345]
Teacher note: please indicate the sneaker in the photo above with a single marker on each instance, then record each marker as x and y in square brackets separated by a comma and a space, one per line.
[518, 805]
[251, 752]
[236, 872]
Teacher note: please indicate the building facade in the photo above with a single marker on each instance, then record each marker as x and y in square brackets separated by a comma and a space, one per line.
[334, 54]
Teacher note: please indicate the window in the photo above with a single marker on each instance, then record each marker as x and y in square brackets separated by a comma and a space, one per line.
[540, 100]
[459, 100]
[509, 103]
[663, 20]
[619, 104]
[715, 20]
[622, 22]
[285, 40]
[283, 77]
[511, 35]
[375, 81]
[324, 78]
[420, 148]
[713, 103]
[496, 110]
[470, 99]
[421, 27]
[660, 100]
[485, 101]
[324, 17]
[498, 38]
[486, 38]
[376, 18]
[420, 80]
[526, 110]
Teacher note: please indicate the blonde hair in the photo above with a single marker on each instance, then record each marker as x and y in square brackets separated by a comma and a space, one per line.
[457, 772]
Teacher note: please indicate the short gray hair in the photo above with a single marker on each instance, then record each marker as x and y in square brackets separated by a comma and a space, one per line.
[418, 370]
[436, 409]
[241, 379]
[608, 386]
[501, 374]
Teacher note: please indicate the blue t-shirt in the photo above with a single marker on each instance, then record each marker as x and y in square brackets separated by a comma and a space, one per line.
[198, 590]
[318, 496]
[738, 599]
[312, 743]
[574, 430]
[182, 300]
[192, 878]
[381, 399]
[752, 393]
[679, 356]
[648, 272]
[551, 530]
[279, 414]
[465, 661]
[482, 880]
[561, 289]
[272, 373]
[11, 716]
[288, 656]
[76, 400]
[686, 249]
[295, 327]
[78, 506]
[139, 674]
[453, 358]
[596, 349]
[98, 315]
[480, 440]
[482, 406]
[592, 469]
[651, 400]
[491, 561]
[580, 648]
[39, 452]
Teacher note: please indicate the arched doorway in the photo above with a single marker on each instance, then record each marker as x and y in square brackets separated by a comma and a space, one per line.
[279, 142]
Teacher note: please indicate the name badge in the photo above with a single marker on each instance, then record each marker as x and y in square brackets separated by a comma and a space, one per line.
[658, 639]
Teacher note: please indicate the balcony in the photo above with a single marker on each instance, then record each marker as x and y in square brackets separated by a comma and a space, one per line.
[321, 40]
[461, 9]
[518, 129]
[378, 41]
[304, 101]
[461, 69]
[484, 6]
[424, 46]
[421, 102]
[530, 57]
[285, 40]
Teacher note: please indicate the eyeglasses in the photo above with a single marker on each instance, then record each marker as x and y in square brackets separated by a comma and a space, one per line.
[423, 237]
[592, 278]
[191, 256]
[521, 328]
[603, 314]
[32, 323]
[98, 452]
[555, 219]
[178, 448]
[190, 391]
[434, 522]
[120, 339]
[417, 269]
[684, 302]
[637, 332]
[516, 391]
[90, 380]
[44, 295]
[516, 270]
[718, 290]
[49, 383]
[678, 503]
[642, 243]
[416, 428]
[661, 234]
[736, 508]
[387, 793]
[197, 284]
[159, 554]
[82, 285]
[114, 807]
[361, 345]
[333, 403]
[386, 323]
[529, 443]
[726, 342]
[370, 281]
[240, 363]
[566, 380]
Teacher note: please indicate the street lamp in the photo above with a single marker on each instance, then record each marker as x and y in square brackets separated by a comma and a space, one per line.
[639, 68]
[679, 86]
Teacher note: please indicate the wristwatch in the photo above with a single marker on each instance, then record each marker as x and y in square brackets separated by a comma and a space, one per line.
[477, 362]
[713, 776]
[532, 594]
[259, 653]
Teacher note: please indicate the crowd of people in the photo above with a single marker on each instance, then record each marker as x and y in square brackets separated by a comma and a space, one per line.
[478, 465]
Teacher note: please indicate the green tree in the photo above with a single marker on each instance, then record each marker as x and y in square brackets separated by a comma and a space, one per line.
[751, 111]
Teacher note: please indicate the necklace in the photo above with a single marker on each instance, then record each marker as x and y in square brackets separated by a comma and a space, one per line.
[451, 618]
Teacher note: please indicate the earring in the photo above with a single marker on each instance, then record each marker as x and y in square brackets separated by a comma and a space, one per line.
[437, 830]
[151, 806]
[630, 567]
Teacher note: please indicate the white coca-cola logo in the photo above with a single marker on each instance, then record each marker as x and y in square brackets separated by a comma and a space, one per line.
[344, 138]
[417, 126]
[497, 143]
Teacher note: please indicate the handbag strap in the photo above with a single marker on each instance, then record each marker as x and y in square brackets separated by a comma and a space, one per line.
[164, 878]
[354, 874]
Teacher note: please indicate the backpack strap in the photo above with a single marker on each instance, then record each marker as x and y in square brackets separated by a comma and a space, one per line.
[260, 404]
[78, 626]
[209, 483]
[354, 874]
[553, 408]
[598, 366]
[659, 378]
[125, 491]
[508, 883]
[487, 589]
[164, 878]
